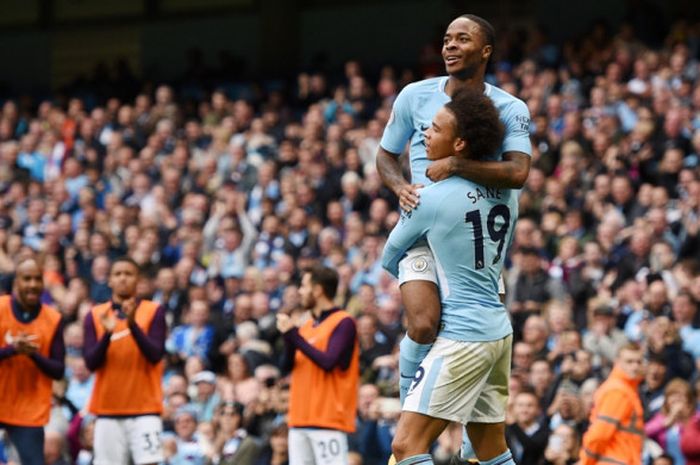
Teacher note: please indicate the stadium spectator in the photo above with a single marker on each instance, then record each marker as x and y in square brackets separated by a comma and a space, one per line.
[193, 339]
[562, 447]
[652, 388]
[690, 438]
[533, 287]
[666, 427]
[206, 399]
[603, 339]
[527, 437]
[186, 447]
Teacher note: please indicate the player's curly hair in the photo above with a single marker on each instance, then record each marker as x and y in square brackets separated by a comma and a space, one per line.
[477, 122]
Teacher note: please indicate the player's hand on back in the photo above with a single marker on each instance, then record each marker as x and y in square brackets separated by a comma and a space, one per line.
[409, 197]
[441, 169]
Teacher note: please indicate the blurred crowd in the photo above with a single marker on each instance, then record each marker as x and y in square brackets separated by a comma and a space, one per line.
[224, 198]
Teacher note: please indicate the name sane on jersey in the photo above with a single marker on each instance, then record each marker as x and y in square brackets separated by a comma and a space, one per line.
[483, 193]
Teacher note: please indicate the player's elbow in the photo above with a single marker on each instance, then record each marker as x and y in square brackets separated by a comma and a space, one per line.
[519, 177]
[519, 168]
[156, 356]
[58, 372]
[90, 364]
[598, 436]
[328, 367]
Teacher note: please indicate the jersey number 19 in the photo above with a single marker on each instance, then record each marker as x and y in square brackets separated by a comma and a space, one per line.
[496, 234]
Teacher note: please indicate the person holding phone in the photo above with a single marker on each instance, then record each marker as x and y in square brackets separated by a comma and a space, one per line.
[563, 446]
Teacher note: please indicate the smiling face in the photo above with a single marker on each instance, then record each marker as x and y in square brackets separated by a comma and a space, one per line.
[440, 138]
[464, 49]
[185, 425]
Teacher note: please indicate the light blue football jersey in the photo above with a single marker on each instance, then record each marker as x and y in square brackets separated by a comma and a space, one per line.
[469, 229]
[417, 104]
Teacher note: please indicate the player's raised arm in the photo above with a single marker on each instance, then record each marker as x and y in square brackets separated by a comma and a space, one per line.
[509, 173]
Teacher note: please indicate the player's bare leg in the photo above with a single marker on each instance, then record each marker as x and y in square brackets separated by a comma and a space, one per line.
[489, 442]
[421, 300]
[422, 304]
[415, 433]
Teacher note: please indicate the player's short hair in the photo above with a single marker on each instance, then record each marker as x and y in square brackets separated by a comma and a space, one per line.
[630, 347]
[326, 277]
[125, 259]
[487, 30]
[30, 258]
[477, 122]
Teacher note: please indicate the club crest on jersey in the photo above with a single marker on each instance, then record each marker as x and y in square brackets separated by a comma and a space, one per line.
[11, 339]
[419, 264]
[120, 334]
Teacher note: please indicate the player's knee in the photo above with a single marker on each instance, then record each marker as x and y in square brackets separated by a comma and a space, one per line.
[488, 439]
[400, 447]
[406, 442]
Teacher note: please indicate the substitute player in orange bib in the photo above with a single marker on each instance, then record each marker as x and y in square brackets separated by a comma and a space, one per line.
[323, 355]
[31, 356]
[124, 346]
